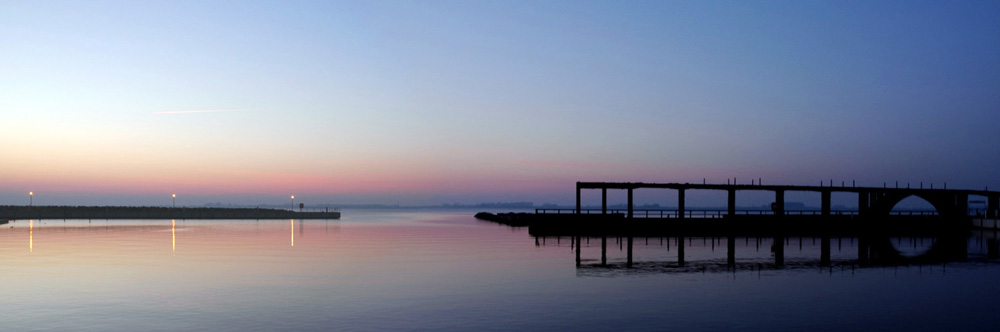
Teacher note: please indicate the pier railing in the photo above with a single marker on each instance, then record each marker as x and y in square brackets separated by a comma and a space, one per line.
[713, 213]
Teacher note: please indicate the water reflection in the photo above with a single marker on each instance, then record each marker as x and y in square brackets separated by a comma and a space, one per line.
[31, 235]
[432, 271]
[681, 254]
[57, 233]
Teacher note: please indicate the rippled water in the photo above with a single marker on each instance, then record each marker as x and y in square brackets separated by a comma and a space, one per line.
[377, 270]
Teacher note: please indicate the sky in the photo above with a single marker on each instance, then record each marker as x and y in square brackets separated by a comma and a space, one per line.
[429, 102]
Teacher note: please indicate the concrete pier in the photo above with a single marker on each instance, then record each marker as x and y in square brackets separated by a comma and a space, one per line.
[872, 201]
[128, 212]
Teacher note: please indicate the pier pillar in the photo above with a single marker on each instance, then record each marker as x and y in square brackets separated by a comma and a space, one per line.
[779, 202]
[962, 202]
[992, 205]
[680, 203]
[577, 198]
[863, 203]
[630, 207]
[680, 250]
[825, 198]
[604, 200]
[732, 202]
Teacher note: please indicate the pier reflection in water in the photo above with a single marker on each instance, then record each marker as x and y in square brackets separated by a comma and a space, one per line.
[731, 254]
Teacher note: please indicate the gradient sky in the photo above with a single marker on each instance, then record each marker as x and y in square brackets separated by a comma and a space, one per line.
[425, 102]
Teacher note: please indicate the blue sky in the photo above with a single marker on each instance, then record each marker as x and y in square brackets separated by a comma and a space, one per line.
[466, 101]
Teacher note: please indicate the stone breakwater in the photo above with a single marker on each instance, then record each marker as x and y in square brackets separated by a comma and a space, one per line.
[129, 212]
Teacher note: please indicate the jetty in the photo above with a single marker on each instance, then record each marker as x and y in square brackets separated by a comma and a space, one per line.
[146, 212]
[874, 213]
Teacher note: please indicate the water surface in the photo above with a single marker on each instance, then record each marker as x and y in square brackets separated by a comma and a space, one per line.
[405, 270]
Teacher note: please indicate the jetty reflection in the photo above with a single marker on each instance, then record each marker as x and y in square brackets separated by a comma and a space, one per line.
[63, 234]
[681, 254]
[31, 235]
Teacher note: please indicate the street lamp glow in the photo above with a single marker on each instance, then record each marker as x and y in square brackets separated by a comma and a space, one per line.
[174, 196]
[293, 203]
[31, 198]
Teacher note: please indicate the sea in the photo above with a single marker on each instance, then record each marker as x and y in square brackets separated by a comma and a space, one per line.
[423, 269]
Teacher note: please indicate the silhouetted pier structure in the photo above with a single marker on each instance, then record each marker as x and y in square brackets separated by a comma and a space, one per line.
[872, 201]
[874, 214]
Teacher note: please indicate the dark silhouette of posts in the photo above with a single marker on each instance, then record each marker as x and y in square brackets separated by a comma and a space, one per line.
[992, 205]
[863, 249]
[680, 203]
[825, 202]
[577, 198]
[962, 203]
[578, 251]
[779, 250]
[628, 259]
[732, 202]
[604, 200]
[731, 251]
[680, 250]
[604, 250]
[863, 203]
[824, 251]
[630, 207]
[779, 202]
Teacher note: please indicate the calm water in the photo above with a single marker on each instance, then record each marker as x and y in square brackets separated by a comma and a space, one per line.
[447, 271]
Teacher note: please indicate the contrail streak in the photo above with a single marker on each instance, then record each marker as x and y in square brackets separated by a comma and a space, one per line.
[194, 111]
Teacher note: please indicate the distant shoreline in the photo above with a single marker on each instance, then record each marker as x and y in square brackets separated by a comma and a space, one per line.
[149, 212]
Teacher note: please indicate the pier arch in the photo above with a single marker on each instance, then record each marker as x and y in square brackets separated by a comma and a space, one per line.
[950, 205]
[912, 203]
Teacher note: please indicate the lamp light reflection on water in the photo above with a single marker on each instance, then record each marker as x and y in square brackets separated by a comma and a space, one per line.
[293, 232]
[31, 235]
[173, 235]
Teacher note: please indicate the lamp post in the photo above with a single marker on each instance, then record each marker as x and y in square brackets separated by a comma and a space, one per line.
[174, 196]
[293, 203]
[31, 198]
